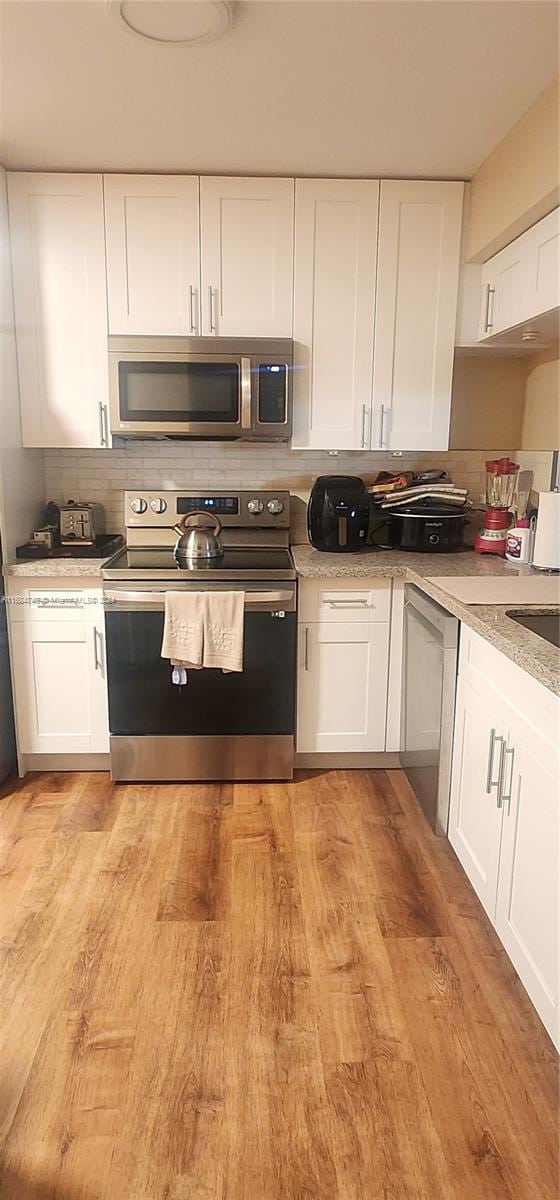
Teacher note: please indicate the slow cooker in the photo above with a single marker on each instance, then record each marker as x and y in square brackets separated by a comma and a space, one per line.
[437, 530]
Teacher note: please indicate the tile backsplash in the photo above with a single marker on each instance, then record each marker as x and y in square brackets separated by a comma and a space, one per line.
[103, 475]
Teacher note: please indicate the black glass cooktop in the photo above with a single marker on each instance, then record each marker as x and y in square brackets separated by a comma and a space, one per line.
[248, 563]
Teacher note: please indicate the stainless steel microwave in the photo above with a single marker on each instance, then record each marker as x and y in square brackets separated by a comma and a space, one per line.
[195, 387]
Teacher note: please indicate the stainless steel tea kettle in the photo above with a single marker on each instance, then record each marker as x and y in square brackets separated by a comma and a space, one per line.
[196, 541]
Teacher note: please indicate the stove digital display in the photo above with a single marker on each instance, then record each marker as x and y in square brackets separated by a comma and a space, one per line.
[226, 506]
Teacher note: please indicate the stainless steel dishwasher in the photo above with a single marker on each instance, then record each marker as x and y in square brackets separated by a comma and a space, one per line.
[430, 646]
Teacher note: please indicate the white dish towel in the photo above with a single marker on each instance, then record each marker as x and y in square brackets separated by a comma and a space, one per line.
[204, 629]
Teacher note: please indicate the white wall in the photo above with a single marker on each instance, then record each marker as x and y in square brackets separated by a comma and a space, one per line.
[22, 479]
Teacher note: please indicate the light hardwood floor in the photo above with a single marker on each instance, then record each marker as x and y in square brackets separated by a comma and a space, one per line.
[276, 992]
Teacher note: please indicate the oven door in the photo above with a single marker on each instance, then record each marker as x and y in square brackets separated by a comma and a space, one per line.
[188, 395]
[258, 701]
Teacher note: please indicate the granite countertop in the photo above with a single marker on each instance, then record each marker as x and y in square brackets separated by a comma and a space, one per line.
[527, 649]
[54, 568]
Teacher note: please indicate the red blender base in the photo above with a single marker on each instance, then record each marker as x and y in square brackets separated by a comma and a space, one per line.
[492, 537]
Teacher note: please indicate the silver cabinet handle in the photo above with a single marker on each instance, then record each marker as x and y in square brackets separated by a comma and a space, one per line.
[381, 422]
[506, 796]
[97, 659]
[306, 649]
[363, 433]
[192, 308]
[212, 319]
[351, 602]
[489, 324]
[490, 781]
[103, 425]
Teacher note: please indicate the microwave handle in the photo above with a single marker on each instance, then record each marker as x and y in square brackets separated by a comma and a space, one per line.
[246, 397]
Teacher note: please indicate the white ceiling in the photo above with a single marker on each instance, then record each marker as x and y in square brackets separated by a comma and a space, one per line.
[381, 87]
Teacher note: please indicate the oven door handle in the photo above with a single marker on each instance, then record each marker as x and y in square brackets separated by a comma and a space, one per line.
[280, 600]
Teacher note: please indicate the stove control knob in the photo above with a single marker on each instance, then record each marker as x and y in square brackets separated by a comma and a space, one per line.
[255, 506]
[158, 504]
[275, 507]
[138, 505]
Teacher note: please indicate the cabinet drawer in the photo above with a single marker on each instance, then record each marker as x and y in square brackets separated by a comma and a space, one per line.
[344, 600]
[55, 604]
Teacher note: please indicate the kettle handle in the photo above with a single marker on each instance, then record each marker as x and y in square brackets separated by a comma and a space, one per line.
[182, 526]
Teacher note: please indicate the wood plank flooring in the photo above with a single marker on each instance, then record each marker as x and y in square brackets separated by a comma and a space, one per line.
[257, 992]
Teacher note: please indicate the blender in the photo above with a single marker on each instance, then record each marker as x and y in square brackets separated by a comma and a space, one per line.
[501, 480]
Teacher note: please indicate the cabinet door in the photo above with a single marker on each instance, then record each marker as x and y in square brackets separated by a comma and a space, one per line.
[97, 680]
[527, 908]
[543, 246]
[417, 284]
[59, 693]
[334, 306]
[475, 820]
[58, 256]
[342, 687]
[522, 280]
[153, 267]
[505, 282]
[246, 228]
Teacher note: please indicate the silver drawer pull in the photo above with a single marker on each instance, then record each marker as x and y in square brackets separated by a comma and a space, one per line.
[306, 649]
[192, 308]
[489, 324]
[490, 781]
[381, 423]
[72, 602]
[97, 660]
[506, 795]
[212, 319]
[349, 603]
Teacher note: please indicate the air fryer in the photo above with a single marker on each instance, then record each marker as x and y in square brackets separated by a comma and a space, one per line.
[338, 513]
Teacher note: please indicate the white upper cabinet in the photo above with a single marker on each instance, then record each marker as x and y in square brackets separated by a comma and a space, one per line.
[334, 306]
[153, 259]
[246, 231]
[521, 282]
[543, 243]
[505, 281]
[58, 256]
[417, 281]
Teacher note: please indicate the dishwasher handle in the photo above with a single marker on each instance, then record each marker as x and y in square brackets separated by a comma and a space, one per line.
[446, 624]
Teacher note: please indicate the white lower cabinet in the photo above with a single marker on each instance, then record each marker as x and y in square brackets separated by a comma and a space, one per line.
[58, 666]
[527, 902]
[343, 666]
[475, 828]
[504, 823]
[342, 697]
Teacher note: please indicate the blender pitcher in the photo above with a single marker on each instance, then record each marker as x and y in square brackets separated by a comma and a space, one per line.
[501, 481]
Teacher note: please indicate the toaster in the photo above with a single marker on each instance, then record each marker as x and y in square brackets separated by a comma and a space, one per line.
[81, 522]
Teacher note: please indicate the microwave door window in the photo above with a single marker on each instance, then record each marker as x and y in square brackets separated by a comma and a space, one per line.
[204, 393]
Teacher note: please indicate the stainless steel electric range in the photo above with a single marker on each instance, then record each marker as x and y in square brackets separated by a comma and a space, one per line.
[218, 726]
